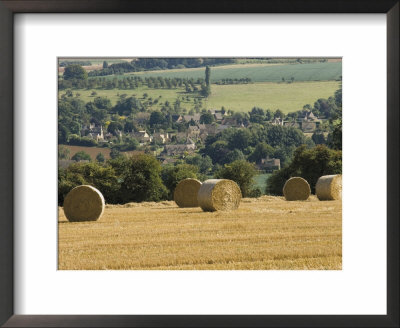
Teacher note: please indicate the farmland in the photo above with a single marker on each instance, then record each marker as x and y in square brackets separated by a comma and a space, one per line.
[263, 234]
[288, 97]
[94, 151]
[241, 97]
[256, 72]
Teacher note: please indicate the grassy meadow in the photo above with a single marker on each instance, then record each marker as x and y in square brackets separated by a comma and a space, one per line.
[267, 233]
[256, 72]
[288, 97]
[260, 181]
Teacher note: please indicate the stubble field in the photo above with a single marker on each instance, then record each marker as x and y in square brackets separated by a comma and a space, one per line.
[267, 233]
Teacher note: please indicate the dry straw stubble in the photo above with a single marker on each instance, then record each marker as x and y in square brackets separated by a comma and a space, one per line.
[329, 187]
[185, 194]
[296, 188]
[84, 203]
[219, 195]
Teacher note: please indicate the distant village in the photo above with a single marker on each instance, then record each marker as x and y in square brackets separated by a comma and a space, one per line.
[179, 144]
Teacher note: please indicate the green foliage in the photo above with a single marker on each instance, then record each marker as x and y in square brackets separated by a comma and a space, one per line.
[255, 142]
[204, 163]
[208, 74]
[75, 62]
[140, 178]
[172, 175]
[156, 118]
[240, 139]
[75, 72]
[217, 151]
[234, 155]
[276, 181]
[63, 152]
[309, 164]
[325, 107]
[114, 128]
[101, 177]
[279, 114]
[261, 151]
[206, 118]
[318, 138]
[115, 153]
[81, 156]
[338, 97]
[129, 127]
[241, 172]
[128, 106]
[335, 139]
[205, 90]
[257, 115]
[149, 64]
[127, 145]
[206, 87]
[97, 114]
[255, 193]
[75, 140]
[100, 158]
[102, 103]
[63, 134]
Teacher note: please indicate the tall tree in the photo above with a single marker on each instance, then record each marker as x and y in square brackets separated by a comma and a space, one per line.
[208, 74]
[141, 178]
[206, 87]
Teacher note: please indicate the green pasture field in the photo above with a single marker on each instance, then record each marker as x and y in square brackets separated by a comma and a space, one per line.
[288, 97]
[256, 72]
[260, 181]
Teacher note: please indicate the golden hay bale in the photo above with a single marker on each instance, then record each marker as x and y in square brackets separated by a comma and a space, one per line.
[84, 203]
[329, 187]
[219, 195]
[185, 194]
[296, 188]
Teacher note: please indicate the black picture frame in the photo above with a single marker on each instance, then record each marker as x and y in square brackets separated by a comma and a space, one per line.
[7, 10]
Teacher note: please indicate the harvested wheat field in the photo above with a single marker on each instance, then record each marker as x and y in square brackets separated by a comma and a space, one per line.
[267, 233]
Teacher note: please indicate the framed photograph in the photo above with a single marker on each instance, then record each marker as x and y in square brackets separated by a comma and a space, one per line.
[202, 164]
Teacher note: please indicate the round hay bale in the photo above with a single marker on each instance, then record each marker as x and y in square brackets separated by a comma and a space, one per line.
[84, 203]
[185, 194]
[219, 195]
[296, 188]
[329, 187]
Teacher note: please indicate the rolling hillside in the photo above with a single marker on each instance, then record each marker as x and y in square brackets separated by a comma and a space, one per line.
[258, 72]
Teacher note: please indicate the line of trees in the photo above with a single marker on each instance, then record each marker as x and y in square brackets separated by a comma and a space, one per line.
[142, 178]
[309, 164]
[128, 83]
[245, 80]
[149, 64]
[66, 63]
